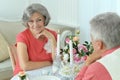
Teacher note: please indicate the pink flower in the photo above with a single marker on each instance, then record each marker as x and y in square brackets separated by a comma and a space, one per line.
[83, 58]
[67, 40]
[74, 51]
[77, 58]
[82, 47]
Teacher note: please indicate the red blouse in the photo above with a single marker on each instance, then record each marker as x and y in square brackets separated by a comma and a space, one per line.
[35, 47]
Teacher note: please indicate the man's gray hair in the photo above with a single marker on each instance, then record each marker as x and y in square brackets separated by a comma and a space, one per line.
[35, 7]
[106, 27]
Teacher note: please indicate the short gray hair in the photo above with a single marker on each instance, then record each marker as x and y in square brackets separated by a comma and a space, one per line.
[106, 27]
[35, 7]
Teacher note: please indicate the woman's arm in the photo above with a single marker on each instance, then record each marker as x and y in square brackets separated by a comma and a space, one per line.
[93, 57]
[25, 64]
[52, 39]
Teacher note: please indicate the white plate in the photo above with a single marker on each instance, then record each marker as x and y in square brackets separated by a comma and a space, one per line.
[47, 78]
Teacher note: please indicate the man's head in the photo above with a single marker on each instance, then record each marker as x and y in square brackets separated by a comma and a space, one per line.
[106, 29]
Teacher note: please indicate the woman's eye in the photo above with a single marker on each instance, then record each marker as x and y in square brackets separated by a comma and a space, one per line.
[39, 20]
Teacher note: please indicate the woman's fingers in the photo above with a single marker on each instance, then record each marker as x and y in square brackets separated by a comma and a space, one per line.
[93, 57]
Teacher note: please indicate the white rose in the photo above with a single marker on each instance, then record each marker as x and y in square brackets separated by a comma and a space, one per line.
[65, 57]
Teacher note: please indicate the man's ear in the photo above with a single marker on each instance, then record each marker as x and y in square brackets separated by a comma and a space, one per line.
[99, 44]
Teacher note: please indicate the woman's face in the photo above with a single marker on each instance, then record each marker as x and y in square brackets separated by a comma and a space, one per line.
[36, 23]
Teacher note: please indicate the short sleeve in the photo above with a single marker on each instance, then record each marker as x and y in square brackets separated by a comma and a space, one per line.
[21, 38]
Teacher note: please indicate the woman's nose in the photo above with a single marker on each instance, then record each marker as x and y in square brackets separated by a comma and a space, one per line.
[35, 24]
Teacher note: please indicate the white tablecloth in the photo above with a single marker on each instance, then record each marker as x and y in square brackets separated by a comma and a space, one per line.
[39, 72]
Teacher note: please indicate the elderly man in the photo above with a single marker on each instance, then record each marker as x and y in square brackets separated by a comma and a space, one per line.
[104, 62]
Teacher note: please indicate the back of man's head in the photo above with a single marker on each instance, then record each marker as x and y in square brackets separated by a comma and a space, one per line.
[106, 27]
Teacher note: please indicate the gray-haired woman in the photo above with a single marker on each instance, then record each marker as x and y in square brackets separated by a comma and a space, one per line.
[104, 62]
[36, 43]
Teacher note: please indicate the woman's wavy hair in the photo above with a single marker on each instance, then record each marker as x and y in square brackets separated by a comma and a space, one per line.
[35, 7]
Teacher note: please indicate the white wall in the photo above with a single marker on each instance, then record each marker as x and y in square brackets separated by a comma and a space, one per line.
[62, 11]
[75, 13]
[11, 10]
[88, 9]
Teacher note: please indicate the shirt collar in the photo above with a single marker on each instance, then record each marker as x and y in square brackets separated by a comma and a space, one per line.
[109, 51]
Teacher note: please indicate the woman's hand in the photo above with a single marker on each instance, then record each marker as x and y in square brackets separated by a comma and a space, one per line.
[51, 38]
[93, 57]
[44, 33]
[48, 34]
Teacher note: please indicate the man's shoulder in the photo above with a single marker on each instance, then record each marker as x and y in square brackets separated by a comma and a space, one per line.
[96, 66]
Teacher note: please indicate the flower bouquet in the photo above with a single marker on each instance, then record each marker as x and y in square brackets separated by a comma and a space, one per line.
[80, 51]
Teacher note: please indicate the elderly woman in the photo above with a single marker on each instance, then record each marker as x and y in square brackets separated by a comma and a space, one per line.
[104, 63]
[36, 44]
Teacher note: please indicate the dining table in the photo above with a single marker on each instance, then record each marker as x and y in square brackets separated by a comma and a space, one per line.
[38, 74]
[57, 71]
